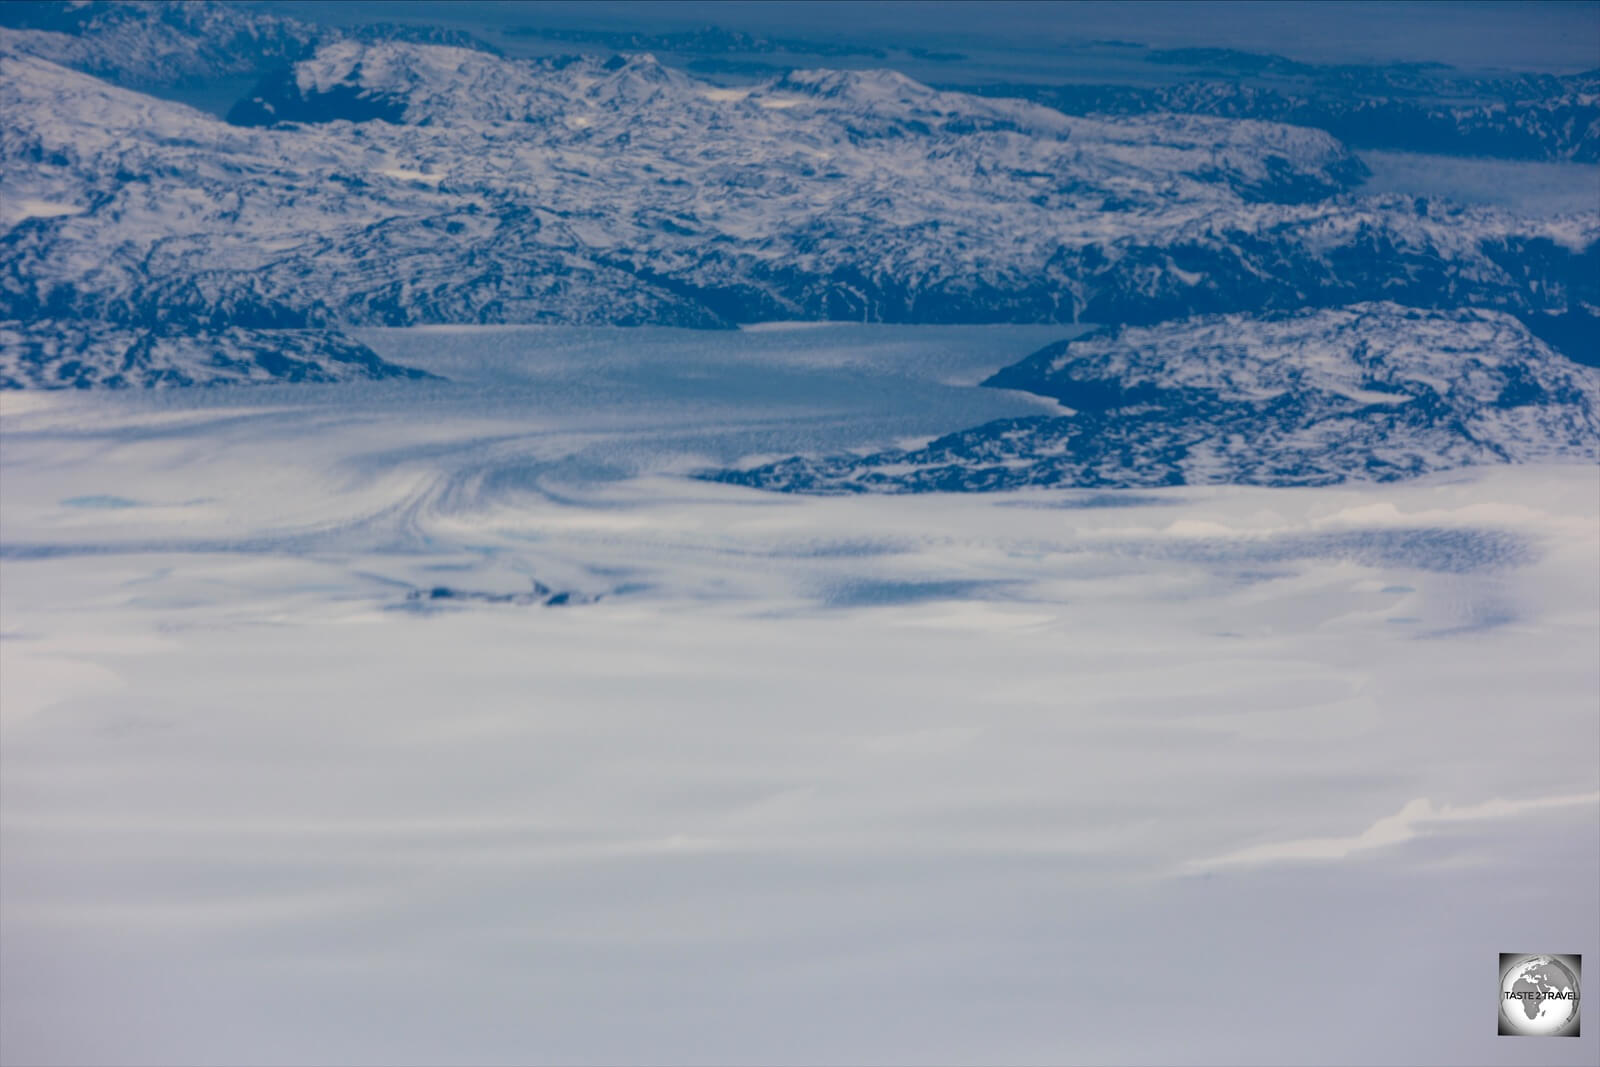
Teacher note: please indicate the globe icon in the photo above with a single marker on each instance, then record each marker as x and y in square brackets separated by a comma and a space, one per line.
[1539, 996]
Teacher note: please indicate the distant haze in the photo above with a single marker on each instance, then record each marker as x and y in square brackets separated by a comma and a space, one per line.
[1560, 37]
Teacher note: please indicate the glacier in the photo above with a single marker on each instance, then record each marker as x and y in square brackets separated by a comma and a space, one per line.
[510, 557]
[884, 772]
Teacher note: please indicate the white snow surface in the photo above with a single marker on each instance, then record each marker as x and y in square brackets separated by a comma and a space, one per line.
[1033, 777]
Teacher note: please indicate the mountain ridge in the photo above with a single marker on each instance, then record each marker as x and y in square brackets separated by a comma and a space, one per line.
[392, 183]
[637, 195]
[1371, 392]
[54, 354]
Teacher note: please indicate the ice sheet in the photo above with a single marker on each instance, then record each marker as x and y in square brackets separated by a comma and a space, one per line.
[1220, 775]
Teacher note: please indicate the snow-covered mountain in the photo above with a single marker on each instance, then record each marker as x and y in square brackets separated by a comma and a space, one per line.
[174, 44]
[1371, 392]
[479, 189]
[400, 183]
[148, 43]
[54, 354]
[1406, 107]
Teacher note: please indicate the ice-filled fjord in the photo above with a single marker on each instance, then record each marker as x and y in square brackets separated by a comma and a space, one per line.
[616, 559]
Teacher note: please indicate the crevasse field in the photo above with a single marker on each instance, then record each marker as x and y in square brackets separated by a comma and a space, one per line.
[453, 721]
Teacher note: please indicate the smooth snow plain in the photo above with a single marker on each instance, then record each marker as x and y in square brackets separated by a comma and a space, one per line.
[1188, 776]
